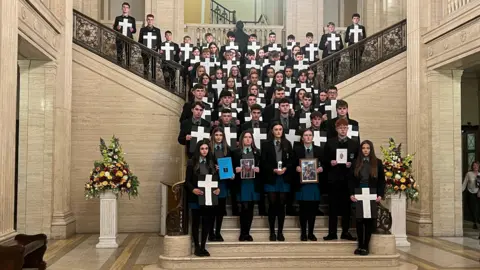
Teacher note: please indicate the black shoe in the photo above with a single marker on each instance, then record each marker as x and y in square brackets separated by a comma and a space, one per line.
[320, 213]
[218, 237]
[205, 253]
[249, 238]
[198, 252]
[312, 237]
[211, 237]
[348, 236]
[280, 237]
[330, 237]
[303, 237]
[357, 251]
[475, 226]
[242, 238]
[273, 237]
[364, 252]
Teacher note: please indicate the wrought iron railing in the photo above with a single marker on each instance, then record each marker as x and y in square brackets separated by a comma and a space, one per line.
[133, 56]
[222, 15]
[361, 56]
[384, 220]
[177, 218]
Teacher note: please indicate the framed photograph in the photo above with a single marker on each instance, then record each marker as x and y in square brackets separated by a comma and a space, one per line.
[248, 166]
[309, 170]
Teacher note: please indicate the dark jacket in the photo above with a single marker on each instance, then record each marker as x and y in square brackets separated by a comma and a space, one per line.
[191, 180]
[332, 131]
[236, 157]
[131, 20]
[373, 182]
[186, 129]
[349, 39]
[339, 174]
[269, 161]
[155, 32]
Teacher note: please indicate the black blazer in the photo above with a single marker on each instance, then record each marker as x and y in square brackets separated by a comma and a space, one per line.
[332, 131]
[186, 129]
[248, 125]
[269, 161]
[347, 34]
[299, 153]
[292, 122]
[156, 33]
[131, 20]
[236, 157]
[191, 181]
[374, 182]
[339, 174]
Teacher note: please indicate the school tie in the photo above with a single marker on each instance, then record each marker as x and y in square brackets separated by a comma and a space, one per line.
[255, 124]
[217, 148]
[277, 143]
[308, 150]
[248, 150]
[284, 123]
[202, 162]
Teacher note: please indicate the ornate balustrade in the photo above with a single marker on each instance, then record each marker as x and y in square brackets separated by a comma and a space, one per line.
[359, 57]
[104, 41]
[454, 5]
[219, 31]
[221, 14]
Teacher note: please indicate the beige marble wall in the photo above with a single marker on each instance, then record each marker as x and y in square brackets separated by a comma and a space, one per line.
[304, 16]
[107, 101]
[470, 98]
[379, 14]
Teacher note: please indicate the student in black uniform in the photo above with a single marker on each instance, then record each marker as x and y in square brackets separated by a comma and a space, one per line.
[368, 173]
[356, 55]
[155, 32]
[285, 116]
[220, 149]
[308, 194]
[342, 113]
[131, 29]
[248, 188]
[184, 136]
[276, 169]
[198, 93]
[338, 178]
[202, 163]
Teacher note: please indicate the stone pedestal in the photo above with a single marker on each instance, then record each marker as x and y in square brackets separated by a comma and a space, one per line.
[177, 246]
[383, 244]
[397, 204]
[108, 220]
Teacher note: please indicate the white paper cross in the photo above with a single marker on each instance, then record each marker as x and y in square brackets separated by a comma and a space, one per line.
[300, 65]
[290, 84]
[187, 48]
[149, 37]
[200, 134]
[333, 39]
[357, 32]
[228, 66]
[269, 82]
[290, 45]
[125, 26]
[207, 64]
[258, 136]
[261, 102]
[208, 184]
[311, 49]
[231, 46]
[229, 135]
[218, 85]
[238, 83]
[306, 120]
[351, 133]
[238, 108]
[167, 48]
[208, 101]
[274, 47]
[276, 106]
[292, 137]
[318, 139]
[332, 108]
[254, 46]
[252, 64]
[278, 66]
[206, 113]
[365, 198]
[195, 60]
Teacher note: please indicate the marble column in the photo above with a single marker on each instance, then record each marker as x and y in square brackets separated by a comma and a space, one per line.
[372, 15]
[300, 20]
[419, 137]
[393, 12]
[8, 103]
[63, 221]
[172, 16]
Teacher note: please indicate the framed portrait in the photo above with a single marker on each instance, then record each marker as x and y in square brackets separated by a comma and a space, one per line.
[248, 168]
[309, 170]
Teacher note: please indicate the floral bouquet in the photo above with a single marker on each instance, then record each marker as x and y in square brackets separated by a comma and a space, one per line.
[398, 171]
[111, 173]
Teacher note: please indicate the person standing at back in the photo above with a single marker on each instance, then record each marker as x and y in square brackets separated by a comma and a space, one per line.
[126, 25]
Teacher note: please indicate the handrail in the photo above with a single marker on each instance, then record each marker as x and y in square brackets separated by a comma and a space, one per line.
[222, 13]
[127, 53]
[260, 19]
[177, 218]
[361, 56]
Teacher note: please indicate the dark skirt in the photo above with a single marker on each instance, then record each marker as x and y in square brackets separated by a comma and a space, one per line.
[247, 191]
[309, 192]
[222, 185]
[279, 186]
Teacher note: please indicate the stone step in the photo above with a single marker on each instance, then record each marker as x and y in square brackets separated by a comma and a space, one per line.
[263, 260]
[293, 246]
[263, 234]
[262, 222]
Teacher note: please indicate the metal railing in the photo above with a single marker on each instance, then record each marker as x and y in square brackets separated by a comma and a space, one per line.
[128, 54]
[361, 56]
[222, 15]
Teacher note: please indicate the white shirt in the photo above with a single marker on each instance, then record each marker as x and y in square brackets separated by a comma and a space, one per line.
[470, 182]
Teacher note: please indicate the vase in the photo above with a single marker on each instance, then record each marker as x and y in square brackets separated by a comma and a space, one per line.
[398, 208]
[108, 220]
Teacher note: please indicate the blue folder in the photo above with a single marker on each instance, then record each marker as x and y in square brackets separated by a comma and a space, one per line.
[225, 168]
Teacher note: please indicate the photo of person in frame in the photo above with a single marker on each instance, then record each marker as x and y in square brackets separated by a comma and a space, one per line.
[248, 171]
[309, 170]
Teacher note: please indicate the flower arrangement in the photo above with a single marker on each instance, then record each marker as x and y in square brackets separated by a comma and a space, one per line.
[111, 173]
[398, 171]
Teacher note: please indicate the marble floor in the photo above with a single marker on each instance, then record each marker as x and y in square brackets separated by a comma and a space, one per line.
[137, 250]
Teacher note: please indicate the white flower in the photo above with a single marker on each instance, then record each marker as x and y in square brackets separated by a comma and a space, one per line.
[110, 153]
[109, 160]
[398, 176]
[116, 149]
[125, 177]
[107, 174]
[115, 157]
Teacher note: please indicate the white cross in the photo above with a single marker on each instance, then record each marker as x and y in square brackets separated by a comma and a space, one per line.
[238, 83]
[311, 49]
[206, 100]
[332, 108]
[269, 82]
[200, 134]
[274, 47]
[365, 198]
[236, 107]
[290, 45]
[351, 133]
[186, 49]
[261, 93]
[306, 120]
[278, 66]
[252, 64]
[265, 63]
[218, 85]
[357, 32]
[206, 113]
[300, 65]
[304, 86]
[258, 136]
[261, 102]
[231, 46]
[333, 41]
[234, 113]
[207, 65]
[195, 60]
[125, 26]
[290, 84]
[292, 137]
[167, 48]
[228, 66]
[208, 184]
[276, 106]
[229, 135]
[254, 46]
[318, 139]
[149, 37]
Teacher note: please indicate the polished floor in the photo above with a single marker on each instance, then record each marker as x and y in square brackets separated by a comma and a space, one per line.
[138, 250]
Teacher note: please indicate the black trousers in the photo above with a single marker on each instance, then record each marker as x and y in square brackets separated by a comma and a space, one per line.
[205, 216]
[339, 204]
[246, 218]
[365, 228]
[121, 45]
[473, 204]
[276, 210]
[307, 215]
[220, 212]
[261, 205]
[356, 60]
[149, 62]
